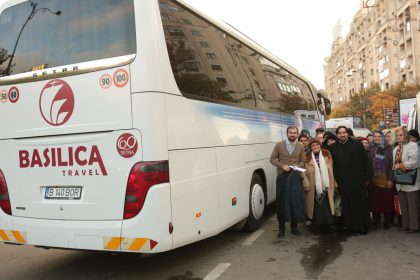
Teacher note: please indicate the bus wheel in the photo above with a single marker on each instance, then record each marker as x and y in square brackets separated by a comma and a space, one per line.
[256, 203]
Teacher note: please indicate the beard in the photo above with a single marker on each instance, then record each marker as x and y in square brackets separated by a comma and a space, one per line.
[343, 138]
[291, 138]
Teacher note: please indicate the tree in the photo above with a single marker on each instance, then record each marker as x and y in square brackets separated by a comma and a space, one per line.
[3, 58]
[341, 111]
[381, 101]
[201, 85]
[402, 90]
[358, 105]
[179, 54]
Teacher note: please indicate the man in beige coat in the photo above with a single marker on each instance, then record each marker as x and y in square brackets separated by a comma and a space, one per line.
[289, 191]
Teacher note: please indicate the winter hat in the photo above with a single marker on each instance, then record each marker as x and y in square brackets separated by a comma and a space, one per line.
[305, 131]
[313, 141]
[414, 133]
[331, 137]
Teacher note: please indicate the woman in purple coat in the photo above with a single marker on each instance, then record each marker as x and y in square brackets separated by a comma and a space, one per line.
[381, 193]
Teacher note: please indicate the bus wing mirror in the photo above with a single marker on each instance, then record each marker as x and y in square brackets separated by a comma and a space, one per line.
[327, 104]
[321, 107]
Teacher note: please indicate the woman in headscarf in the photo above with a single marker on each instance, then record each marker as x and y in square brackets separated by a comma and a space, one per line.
[381, 197]
[389, 136]
[319, 184]
[406, 157]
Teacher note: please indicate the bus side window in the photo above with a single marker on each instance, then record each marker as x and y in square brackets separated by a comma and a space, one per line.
[285, 92]
[208, 64]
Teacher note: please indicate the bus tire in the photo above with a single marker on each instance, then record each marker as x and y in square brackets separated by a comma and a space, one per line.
[256, 203]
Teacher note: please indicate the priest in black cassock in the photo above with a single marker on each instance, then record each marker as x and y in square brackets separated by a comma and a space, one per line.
[351, 171]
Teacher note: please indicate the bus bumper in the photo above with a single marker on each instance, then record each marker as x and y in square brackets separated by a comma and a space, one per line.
[148, 232]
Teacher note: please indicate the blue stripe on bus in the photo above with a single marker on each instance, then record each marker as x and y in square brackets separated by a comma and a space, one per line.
[257, 118]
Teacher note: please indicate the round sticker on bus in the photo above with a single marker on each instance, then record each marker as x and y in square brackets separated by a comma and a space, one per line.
[105, 81]
[120, 78]
[3, 96]
[127, 145]
[13, 95]
[56, 102]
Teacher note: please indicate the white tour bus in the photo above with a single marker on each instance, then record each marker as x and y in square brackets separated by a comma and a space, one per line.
[137, 126]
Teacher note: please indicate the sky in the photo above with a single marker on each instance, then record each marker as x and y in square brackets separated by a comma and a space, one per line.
[299, 32]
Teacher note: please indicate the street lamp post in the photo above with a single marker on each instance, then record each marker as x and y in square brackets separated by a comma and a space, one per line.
[363, 92]
[31, 16]
[362, 89]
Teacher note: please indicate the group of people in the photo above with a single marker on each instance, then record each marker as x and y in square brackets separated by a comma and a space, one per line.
[339, 181]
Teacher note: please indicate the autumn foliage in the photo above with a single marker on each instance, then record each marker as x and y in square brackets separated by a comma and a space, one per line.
[372, 101]
[379, 102]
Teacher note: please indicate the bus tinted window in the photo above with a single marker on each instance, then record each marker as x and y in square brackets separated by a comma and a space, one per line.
[212, 66]
[281, 91]
[208, 64]
[56, 32]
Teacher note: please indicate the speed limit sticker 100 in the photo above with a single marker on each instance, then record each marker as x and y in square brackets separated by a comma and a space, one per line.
[13, 95]
[120, 78]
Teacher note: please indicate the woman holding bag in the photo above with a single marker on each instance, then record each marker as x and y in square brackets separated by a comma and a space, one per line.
[319, 184]
[405, 161]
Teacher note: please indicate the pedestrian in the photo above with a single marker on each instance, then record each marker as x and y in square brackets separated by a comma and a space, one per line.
[405, 158]
[369, 137]
[304, 139]
[319, 185]
[306, 132]
[365, 142]
[320, 136]
[352, 175]
[330, 139]
[414, 135]
[381, 196]
[327, 134]
[290, 201]
[390, 136]
[350, 133]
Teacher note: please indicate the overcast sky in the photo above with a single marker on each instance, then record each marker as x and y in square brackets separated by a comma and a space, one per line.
[297, 31]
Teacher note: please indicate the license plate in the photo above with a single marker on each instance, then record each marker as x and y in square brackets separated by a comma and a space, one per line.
[69, 193]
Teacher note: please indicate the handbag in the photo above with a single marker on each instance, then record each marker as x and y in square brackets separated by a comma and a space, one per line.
[408, 177]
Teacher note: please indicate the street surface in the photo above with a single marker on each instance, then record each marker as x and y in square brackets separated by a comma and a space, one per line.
[382, 254]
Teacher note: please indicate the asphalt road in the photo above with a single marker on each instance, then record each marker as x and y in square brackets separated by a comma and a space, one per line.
[382, 254]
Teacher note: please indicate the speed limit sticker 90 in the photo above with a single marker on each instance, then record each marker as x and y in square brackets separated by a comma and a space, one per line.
[3, 96]
[105, 81]
[120, 78]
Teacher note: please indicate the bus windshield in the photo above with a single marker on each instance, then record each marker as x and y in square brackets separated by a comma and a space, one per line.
[41, 34]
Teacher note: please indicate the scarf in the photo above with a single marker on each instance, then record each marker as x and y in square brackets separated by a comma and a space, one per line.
[322, 180]
[398, 154]
[377, 157]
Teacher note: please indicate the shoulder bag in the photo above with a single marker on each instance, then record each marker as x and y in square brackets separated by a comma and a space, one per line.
[408, 177]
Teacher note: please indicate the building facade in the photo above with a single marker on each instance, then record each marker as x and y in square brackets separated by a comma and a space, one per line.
[382, 46]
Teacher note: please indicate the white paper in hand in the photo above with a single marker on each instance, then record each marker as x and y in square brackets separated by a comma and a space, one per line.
[296, 168]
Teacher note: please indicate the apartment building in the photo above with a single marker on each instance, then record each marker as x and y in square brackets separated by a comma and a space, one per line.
[382, 46]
